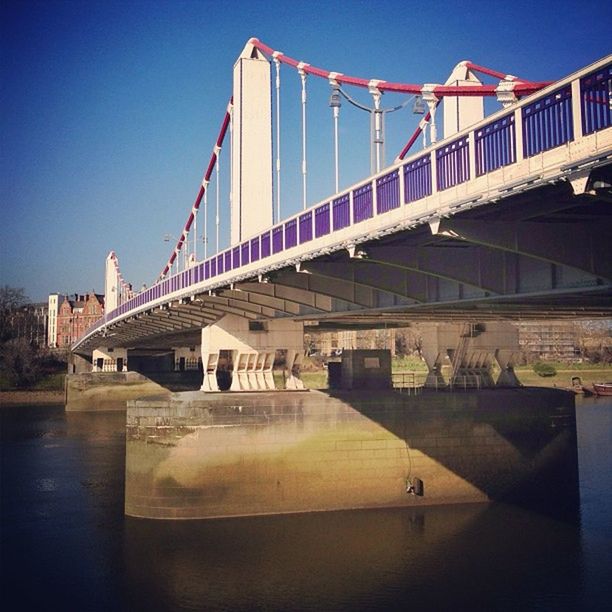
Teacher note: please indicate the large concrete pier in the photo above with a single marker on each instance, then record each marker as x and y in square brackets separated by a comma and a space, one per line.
[103, 391]
[196, 455]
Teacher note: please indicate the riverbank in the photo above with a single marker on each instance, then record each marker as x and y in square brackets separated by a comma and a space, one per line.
[17, 398]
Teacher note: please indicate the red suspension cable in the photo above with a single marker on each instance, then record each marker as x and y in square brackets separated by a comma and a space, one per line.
[522, 88]
[196, 205]
[493, 73]
[124, 284]
[417, 132]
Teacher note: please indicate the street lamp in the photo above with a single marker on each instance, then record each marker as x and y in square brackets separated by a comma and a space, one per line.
[418, 108]
[335, 103]
[377, 120]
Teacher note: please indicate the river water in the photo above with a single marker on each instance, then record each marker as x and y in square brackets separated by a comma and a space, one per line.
[66, 544]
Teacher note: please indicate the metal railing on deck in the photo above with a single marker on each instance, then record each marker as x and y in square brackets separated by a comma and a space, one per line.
[546, 123]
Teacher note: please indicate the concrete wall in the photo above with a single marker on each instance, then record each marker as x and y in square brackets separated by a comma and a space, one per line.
[366, 369]
[77, 364]
[201, 456]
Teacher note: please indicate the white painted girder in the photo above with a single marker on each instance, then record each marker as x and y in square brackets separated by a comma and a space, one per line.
[369, 275]
[462, 264]
[584, 246]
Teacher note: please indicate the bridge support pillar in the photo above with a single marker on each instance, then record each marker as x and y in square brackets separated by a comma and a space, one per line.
[106, 359]
[507, 377]
[470, 348]
[293, 365]
[187, 358]
[433, 356]
[238, 354]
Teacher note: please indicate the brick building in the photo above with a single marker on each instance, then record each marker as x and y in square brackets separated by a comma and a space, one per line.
[74, 315]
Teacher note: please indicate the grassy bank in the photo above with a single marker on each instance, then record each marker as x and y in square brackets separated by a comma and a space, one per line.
[51, 382]
[588, 374]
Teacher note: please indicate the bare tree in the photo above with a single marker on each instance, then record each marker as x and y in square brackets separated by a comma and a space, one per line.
[20, 362]
[11, 300]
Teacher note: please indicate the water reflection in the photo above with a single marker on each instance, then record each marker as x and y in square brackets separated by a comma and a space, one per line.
[594, 432]
[66, 544]
[441, 558]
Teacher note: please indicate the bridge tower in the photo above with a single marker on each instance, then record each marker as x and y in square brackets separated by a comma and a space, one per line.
[461, 112]
[233, 344]
[111, 283]
[251, 156]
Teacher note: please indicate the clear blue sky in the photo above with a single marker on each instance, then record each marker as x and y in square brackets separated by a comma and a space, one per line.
[109, 109]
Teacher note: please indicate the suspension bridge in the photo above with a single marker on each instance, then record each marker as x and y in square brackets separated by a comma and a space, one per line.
[504, 217]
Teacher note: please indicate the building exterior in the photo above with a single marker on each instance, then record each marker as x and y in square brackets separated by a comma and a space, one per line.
[29, 322]
[52, 310]
[74, 315]
[549, 340]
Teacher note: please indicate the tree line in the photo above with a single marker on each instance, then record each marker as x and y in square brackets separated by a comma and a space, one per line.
[24, 357]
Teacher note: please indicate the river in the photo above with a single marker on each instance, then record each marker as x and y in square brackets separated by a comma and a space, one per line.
[66, 544]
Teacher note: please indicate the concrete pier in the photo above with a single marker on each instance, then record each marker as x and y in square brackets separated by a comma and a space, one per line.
[102, 391]
[196, 455]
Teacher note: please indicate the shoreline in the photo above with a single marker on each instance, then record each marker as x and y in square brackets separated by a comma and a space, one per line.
[16, 398]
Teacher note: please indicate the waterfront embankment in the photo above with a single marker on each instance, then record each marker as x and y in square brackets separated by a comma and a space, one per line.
[29, 398]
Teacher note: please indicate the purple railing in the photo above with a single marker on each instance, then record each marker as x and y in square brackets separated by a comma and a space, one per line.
[291, 233]
[417, 179]
[277, 239]
[265, 245]
[547, 122]
[453, 164]
[495, 145]
[595, 93]
[341, 212]
[322, 220]
[306, 227]
[255, 249]
[244, 253]
[362, 203]
[387, 192]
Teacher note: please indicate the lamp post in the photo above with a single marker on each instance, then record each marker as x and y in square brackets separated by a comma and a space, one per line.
[377, 121]
[335, 103]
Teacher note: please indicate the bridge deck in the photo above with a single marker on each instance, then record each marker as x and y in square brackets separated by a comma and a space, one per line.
[510, 217]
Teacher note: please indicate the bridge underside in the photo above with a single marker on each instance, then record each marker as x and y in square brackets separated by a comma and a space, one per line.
[543, 253]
